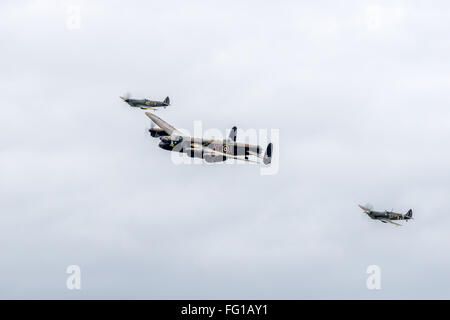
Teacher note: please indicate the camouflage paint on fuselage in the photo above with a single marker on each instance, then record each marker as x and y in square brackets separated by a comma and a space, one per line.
[146, 103]
[386, 216]
[224, 146]
[209, 149]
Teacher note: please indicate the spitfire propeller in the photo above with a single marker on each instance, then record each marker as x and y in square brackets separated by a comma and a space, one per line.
[126, 97]
[366, 208]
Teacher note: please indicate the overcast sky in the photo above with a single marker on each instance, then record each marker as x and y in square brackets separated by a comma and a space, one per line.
[359, 91]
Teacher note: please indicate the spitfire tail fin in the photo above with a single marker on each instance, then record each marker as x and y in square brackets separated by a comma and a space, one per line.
[167, 101]
[409, 214]
[268, 155]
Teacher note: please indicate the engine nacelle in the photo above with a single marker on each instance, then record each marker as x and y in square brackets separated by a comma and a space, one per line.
[157, 132]
[171, 139]
[165, 146]
[171, 143]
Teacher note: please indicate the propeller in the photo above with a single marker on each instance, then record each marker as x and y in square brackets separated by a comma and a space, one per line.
[126, 96]
[367, 208]
[152, 126]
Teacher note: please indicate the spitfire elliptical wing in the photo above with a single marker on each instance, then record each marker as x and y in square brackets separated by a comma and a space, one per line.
[388, 221]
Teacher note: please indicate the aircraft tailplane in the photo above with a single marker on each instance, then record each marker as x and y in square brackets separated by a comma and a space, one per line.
[409, 214]
[167, 101]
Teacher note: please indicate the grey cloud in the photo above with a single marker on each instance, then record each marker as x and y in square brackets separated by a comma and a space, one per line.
[363, 117]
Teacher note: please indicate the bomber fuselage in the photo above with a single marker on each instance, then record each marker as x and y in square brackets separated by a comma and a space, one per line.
[185, 144]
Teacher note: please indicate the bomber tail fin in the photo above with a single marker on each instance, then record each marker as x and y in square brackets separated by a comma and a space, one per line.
[268, 155]
[233, 134]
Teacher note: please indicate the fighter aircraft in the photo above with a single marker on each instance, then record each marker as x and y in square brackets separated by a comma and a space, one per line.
[146, 103]
[386, 216]
[209, 150]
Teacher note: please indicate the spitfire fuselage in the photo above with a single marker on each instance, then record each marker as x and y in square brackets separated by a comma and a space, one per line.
[145, 103]
[386, 215]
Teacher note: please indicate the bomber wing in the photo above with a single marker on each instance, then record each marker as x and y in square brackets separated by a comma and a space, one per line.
[164, 125]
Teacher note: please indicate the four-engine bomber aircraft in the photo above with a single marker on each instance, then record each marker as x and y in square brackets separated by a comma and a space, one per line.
[207, 149]
[387, 216]
[146, 103]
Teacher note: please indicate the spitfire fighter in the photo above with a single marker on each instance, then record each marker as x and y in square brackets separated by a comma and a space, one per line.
[146, 103]
[387, 216]
[209, 150]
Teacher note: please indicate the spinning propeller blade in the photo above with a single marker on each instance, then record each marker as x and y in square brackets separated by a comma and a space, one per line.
[366, 208]
[126, 96]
